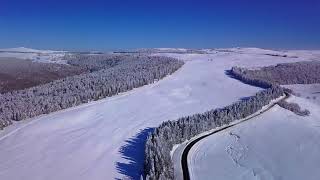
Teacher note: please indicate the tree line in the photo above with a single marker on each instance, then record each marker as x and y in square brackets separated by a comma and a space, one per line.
[293, 107]
[282, 74]
[158, 164]
[71, 91]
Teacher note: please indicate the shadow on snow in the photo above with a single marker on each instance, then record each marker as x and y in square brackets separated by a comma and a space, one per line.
[231, 75]
[133, 151]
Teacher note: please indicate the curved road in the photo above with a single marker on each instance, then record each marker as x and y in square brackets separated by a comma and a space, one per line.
[184, 158]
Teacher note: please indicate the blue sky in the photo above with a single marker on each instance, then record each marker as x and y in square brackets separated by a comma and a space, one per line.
[104, 25]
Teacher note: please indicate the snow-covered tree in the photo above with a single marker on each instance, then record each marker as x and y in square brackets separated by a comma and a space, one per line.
[124, 74]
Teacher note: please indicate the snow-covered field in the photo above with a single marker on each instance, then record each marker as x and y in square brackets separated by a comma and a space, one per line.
[45, 56]
[308, 91]
[276, 145]
[104, 139]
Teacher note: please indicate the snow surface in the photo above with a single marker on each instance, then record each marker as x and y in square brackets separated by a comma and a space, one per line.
[105, 139]
[45, 56]
[276, 145]
[308, 91]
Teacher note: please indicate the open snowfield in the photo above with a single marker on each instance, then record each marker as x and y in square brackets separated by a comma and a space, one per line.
[104, 139]
[276, 145]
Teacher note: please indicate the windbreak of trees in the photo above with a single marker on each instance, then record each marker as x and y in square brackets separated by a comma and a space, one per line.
[75, 90]
[158, 164]
[294, 107]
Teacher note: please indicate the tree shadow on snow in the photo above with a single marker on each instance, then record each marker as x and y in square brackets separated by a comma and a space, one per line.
[133, 151]
[245, 98]
[231, 75]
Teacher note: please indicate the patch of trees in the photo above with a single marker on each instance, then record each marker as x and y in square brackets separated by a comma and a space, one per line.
[294, 107]
[74, 90]
[277, 55]
[158, 164]
[281, 55]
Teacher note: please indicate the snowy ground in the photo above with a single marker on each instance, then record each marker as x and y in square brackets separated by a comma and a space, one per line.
[278, 145]
[105, 139]
[45, 56]
[308, 91]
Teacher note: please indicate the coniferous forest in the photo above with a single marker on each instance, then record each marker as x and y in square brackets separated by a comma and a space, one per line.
[109, 76]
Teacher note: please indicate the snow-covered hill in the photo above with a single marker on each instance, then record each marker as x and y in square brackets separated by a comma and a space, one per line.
[276, 145]
[47, 56]
[105, 139]
[28, 50]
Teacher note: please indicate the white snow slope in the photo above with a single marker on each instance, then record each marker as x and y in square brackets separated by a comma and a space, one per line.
[104, 139]
[278, 145]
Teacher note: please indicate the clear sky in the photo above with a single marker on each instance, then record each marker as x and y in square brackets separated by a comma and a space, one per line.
[103, 25]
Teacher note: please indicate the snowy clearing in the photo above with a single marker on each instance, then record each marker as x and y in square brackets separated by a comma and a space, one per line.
[105, 139]
[276, 145]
